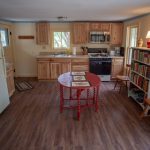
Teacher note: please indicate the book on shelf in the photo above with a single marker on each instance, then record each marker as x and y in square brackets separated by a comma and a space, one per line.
[140, 81]
[142, 56]
[141, 69]
[148, 73]
[145, 85]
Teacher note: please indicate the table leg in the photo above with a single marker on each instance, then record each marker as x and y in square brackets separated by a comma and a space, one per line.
[61, 99]
[87, 102]
[96, 98]
[78, 108]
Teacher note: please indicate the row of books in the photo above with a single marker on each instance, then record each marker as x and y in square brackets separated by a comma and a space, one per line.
[141, 69]
[142, 56]
[140, 81]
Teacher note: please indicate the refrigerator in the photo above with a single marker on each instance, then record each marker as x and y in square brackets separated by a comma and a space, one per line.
[4, 97]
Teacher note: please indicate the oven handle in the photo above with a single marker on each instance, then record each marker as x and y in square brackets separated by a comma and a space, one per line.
[100, 61]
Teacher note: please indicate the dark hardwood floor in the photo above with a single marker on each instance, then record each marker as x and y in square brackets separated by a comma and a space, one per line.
[33, 122]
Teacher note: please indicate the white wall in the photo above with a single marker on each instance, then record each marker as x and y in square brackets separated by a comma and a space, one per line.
[26, 50]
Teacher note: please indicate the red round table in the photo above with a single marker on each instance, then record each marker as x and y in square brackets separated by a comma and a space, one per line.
[66, 81]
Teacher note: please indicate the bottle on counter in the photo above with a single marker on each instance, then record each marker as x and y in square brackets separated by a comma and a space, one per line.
[74, 51]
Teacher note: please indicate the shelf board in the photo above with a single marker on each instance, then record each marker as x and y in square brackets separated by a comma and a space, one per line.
[140, 62]
[140, 74]
[131, 94]
[138, 87]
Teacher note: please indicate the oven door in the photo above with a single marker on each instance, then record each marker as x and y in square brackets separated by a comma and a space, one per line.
[100, 67]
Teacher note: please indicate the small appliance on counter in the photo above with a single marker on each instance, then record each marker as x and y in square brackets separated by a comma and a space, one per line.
[112, 53]
[119, 51]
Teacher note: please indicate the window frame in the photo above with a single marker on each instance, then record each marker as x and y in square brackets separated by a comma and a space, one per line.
[6, 36]
[60, 48]
[128, 40]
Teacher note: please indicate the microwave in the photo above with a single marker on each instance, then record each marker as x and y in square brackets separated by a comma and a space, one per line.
[99, 37]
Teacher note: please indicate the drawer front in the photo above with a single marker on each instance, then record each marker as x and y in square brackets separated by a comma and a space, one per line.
[80, 68]
[80, 60]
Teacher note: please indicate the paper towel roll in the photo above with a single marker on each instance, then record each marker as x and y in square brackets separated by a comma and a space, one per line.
[74, 50]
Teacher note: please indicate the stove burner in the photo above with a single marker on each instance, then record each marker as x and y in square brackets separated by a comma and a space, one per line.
[99, 55]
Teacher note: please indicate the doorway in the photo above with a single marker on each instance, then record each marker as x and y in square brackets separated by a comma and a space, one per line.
[131, 41]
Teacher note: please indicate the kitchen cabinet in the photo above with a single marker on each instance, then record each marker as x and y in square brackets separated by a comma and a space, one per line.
[117, 67]
[59, 66]
[80, 33]
[43, 69]
[42, 33]
[80, 64]
[104, 27]
[55, 68]
[116, 33]
[51, 68]
[10, 80]
[95, 26]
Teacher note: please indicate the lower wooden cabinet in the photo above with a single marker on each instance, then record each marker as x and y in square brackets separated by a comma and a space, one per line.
[50, 69]
[117, 67]
[10, 81]
[55, 70]
[43, 70]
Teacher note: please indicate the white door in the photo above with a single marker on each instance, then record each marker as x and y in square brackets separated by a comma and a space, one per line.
[4, 97]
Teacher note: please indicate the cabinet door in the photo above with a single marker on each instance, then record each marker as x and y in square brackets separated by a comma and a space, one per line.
[10, 82]
[43, 70]
[80, 33]
[116, 33]
[55, 70]
[65, 67]
[117, 67]
[42, 33]
[105, 27]
[95, 26]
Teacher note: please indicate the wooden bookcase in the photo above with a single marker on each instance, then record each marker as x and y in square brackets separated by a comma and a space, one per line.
[140, 76]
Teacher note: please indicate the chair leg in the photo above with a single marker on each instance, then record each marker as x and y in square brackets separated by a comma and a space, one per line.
[116, 84]
[143, 113]
[120, 87]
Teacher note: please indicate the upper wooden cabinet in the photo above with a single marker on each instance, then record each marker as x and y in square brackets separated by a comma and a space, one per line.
[95, 26]
[105, 27]
[116, 33]
[80, 33]
[100, 27]
[42, 33]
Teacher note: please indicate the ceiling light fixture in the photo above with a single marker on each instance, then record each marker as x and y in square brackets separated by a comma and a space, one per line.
[62, 18]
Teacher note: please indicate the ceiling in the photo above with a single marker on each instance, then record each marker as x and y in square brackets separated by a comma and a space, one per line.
[72, 10]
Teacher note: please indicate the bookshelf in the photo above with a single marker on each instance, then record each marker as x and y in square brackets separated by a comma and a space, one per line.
[139, 87]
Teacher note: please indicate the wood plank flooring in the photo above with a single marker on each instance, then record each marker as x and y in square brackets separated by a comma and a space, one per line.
[33, 122]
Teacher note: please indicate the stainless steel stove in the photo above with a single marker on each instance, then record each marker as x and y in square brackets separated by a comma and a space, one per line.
[100, 63]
